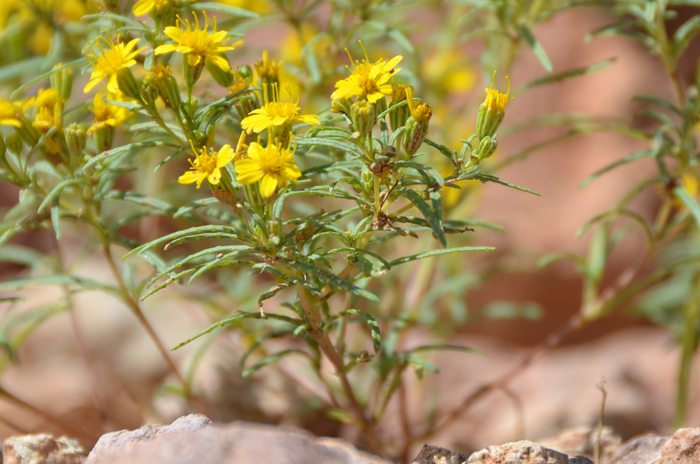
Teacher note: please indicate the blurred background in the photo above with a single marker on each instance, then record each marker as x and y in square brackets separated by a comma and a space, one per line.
[95, 368]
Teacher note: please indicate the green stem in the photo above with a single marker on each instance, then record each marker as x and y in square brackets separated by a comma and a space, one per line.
[689, 343]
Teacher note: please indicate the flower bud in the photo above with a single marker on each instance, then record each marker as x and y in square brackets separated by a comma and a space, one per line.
[62, 81]
[167, 86]
[363, 116]
[247, 101]
[104, 137]
[244, 72]
[29, 134]
[148, 90]
[492, 111]
[341, 106]
[417, 124]
[223, 78]
[268, 76]
[190, 73]
[487, 147]
[76, 138]
[274, 227]
[127, 83]
[367, 178]
[398, 116]
[14, 144]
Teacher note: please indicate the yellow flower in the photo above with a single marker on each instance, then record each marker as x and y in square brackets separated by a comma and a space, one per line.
[107, 114]
[268, 68]
[39, 41]
[367, 80]
[422, 112]
[10, 114]
[207, 165]
[276, 114]
[143, 7]
[496, 100]
[256, 6]
[198, 44]
[272, 166]
[107, 63]
[48, 109]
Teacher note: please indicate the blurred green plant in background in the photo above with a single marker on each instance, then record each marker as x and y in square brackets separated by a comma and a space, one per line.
[323, 186]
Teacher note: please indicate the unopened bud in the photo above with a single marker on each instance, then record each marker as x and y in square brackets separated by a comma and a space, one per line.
[14, 144]
[341, 106]
[76, 138]
[363, 116]
[62, 81]
[167, 86]
[190, 73]
[398, 116]
[245, 72]
[104, 137]
[148, 90]
[487, 147]
[127, 83]
[268, 76]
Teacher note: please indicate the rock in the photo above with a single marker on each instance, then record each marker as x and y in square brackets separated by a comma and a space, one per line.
[645, 449]
[435, 455]
[233, 443]
[123, 438]
[581, 441]
[580, 460]
[682, 448]
[520, 452]
[42, 449]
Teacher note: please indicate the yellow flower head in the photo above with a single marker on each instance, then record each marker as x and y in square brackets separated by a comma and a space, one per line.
[198, 44]
[268, 68]
[143, 7]
[160, 72]
[276, 114]
[107, 114]
[422, 112]
[272, 166]
[495, 100]
[207, 165]
[10, 114]
[48, 109]
[107, 63]
[238, 85]
[367, 80]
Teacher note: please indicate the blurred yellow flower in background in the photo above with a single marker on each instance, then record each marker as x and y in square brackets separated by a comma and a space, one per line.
[143, 7]
[10, 114]
[256, 6]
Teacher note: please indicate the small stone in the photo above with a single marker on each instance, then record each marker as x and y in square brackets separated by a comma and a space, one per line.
[435, 455]
[682, 448]
[234, 443]
[580, 460]
[645, 449]
[118, 440]
[42, 449]
[520, 452]
[581, 440]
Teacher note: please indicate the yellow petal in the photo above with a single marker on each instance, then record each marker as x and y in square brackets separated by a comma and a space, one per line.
[193, 60]
[225, 156]
[167, 48]
[247, 172]
[190, 177]
[215, 176]
[255, 151]
[219, 61]
[311, 119]
[143, 6]
[268, 185]
[91, 84]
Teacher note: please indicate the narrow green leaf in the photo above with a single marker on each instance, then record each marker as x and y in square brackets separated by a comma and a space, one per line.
[346, 147]
[685, 34]
[236, 318]
[627, 159]
[371, 322]
[428, 213]
[273, 358]
[537, 49]
[329, 277]
[429, 254]
[55, 193]
[444, 150]
[446, 347]
[558, 77]
[688, 200]
[231, 10]
[490, 178]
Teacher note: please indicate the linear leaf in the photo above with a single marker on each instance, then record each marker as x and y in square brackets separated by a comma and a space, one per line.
[564, 75]
[627, 159]
[537, 49]
[371, 322]
[428, 213]
[445, 251]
